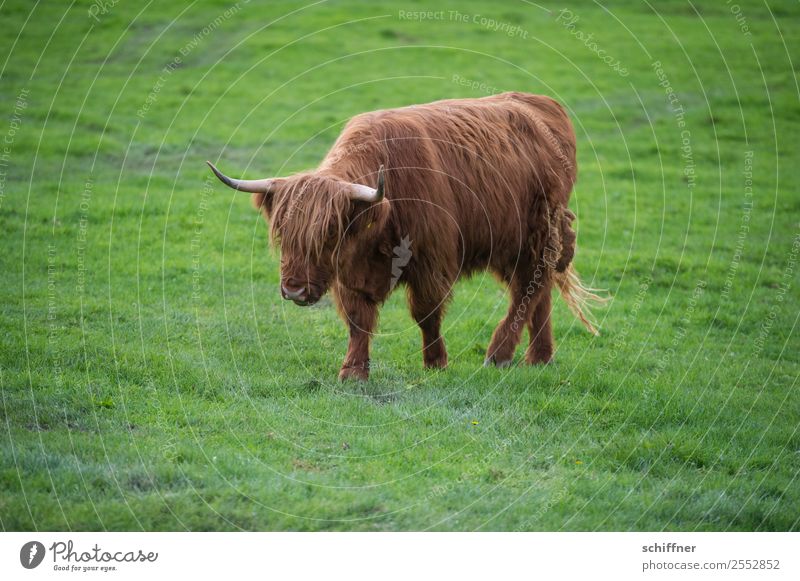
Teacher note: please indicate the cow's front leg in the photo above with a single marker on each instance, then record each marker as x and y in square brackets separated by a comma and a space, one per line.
[360, 314]
[428, 315]
[525, 294]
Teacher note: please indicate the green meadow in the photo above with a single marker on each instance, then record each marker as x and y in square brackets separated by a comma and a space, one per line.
[151, 377]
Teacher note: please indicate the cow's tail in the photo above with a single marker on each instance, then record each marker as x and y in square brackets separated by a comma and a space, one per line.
[579, 298]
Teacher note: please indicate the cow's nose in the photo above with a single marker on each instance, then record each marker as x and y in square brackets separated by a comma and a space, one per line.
[293, 295]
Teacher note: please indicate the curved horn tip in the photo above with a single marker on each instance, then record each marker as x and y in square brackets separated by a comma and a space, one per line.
[379, 189]
[254, 186]
[217, 173]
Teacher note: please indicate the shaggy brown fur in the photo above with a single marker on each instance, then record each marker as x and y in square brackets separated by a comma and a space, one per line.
[473, 184]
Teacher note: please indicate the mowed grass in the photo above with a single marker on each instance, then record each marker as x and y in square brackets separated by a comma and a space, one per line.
[151, 377]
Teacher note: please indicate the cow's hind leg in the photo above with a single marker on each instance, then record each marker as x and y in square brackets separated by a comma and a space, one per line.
[540, 349]
[428, 313]
[526, 290]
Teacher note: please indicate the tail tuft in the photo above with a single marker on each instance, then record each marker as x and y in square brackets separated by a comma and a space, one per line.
[579, 298]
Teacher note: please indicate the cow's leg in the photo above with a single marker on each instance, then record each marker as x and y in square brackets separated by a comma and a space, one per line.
[428, 315]
[526, 291]
[540, 349]
[361, 315]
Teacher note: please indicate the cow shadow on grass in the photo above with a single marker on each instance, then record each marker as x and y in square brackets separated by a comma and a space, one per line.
[386, 385]
[379, 389]
[372, 391]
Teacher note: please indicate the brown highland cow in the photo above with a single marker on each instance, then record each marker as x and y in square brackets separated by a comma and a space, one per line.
[424, 195]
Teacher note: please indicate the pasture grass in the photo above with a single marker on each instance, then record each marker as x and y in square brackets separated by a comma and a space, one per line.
[151, 377]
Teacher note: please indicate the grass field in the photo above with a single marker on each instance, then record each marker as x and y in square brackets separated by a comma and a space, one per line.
[152, 378]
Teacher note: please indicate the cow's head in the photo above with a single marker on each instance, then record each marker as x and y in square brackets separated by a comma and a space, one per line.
[316, 220]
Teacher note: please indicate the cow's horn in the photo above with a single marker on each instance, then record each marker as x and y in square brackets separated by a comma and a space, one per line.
[366, 193]
[255, 186]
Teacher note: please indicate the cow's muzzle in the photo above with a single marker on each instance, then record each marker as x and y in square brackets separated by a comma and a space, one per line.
[299, 297]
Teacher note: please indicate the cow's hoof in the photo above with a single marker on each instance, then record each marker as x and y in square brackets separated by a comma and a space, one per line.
[499, 364]
[438, 363]
[355, 373]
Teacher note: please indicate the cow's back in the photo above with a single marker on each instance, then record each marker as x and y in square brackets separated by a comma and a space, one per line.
[464, 175]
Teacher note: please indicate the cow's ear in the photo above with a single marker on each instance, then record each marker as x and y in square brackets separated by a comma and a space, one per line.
[263, 202]
[369, 219]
